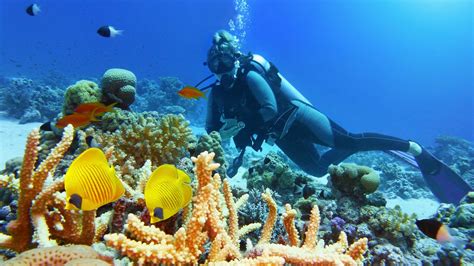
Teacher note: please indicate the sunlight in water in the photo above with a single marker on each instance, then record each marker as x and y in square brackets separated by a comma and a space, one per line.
[238, 26]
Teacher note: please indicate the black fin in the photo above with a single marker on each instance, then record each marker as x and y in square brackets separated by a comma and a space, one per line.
[91, 142]
[308, 191]
[429, 227]
[29, 10]
[104, 31]
[158, 213]
[76, 200]
[46, 126]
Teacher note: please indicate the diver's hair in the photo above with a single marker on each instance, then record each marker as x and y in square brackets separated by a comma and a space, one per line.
[224, 43]
[223, 36]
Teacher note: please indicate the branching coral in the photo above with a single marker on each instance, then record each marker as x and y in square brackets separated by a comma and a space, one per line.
[31, 183]
[161, 141]
[42, 207]
[150, 245]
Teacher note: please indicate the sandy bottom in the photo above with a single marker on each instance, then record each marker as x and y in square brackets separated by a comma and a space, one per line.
[424, 208]
[13, 138]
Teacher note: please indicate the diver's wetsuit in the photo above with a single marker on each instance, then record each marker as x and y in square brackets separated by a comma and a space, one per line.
[258, 99]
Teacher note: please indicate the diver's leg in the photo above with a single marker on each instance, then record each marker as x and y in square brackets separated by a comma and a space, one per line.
[366, 141]
[318, 128]
[445, 184]
[301, 150]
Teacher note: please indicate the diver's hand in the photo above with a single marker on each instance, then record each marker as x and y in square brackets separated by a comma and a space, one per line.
[230, 128]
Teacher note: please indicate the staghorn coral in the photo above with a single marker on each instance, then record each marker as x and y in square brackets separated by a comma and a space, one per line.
[118, 85]
[31, 183]
[149, 245]
[41, 206]
[83, 91]
[161, 141]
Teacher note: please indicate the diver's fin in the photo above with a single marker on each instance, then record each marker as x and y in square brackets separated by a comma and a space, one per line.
[406, 157]
[445, 184]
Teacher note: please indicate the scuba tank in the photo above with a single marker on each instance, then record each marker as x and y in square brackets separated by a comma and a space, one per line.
[279, 84]
[289, 99]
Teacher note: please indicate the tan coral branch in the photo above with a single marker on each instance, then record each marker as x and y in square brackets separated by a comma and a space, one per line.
[271, 218]
[289, 223]
[311, 234]
[31, 184]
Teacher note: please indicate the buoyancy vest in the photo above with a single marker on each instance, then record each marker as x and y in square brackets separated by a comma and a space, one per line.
[287, 97]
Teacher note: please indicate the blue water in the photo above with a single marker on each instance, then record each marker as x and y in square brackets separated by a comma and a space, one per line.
[403, 68]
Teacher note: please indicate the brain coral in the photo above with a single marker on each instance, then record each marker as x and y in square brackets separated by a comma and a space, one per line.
[83, 91]
[118, 85]
[354, 179]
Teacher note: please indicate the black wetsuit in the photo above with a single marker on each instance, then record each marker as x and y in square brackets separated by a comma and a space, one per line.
[259, 101]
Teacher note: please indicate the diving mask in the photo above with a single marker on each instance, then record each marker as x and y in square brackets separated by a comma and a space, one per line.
[221, 63]
[228, 78]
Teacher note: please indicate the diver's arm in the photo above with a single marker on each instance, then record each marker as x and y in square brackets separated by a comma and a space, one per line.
[263, 93]
[213, 122]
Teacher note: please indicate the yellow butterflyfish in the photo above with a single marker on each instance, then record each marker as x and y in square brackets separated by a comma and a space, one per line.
[90, 182]
[167, 191]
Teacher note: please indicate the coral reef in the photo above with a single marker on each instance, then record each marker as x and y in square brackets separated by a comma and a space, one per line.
[118, 86]
[391, 224]
[83, 91]
[207, 222]
[165, 92]
[458, 154]
[398, 179]
[29, 100]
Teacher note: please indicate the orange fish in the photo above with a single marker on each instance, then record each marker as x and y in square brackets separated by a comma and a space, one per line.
[190, 92]
[98, 108]
[76, 120]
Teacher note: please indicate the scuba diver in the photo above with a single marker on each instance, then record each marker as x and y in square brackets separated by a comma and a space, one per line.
[252, 102]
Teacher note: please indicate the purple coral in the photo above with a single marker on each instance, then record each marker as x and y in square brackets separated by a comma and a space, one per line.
[337, 223]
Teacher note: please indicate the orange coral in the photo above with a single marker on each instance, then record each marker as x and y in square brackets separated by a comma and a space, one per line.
[31, 184]
[58, 256]
[150, 245]
[289, 223]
